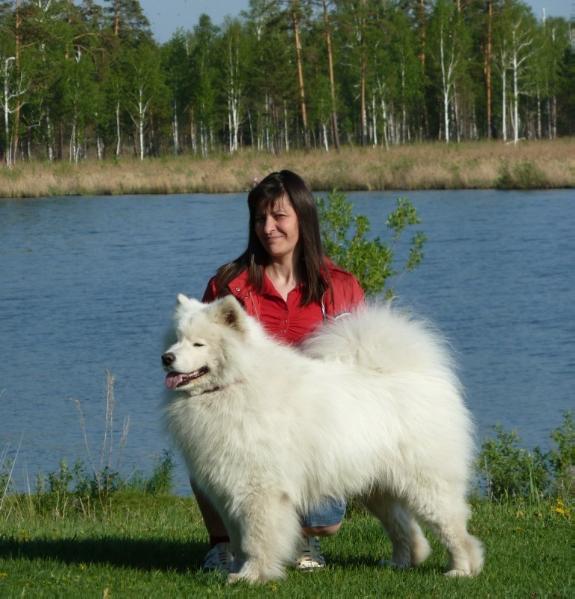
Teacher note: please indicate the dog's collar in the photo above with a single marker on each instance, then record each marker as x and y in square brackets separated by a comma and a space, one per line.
[212, 390]
[217, 388]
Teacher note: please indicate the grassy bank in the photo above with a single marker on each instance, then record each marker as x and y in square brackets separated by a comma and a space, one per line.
[141, 545]
[529, 165]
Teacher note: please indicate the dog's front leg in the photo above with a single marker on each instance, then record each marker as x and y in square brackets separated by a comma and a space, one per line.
[270, 531]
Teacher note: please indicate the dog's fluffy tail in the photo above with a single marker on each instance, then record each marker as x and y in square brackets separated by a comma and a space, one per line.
[383, 339]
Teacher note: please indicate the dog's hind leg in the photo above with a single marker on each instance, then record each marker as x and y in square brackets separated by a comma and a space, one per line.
[410, 547]
[449, 515]
[270, 531]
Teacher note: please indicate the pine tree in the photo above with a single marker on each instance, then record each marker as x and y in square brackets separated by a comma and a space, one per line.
[127, 21]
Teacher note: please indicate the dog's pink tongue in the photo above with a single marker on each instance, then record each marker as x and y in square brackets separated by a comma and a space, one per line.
[173, 379]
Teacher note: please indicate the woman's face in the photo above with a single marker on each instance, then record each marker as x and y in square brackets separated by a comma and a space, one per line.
[277, 229]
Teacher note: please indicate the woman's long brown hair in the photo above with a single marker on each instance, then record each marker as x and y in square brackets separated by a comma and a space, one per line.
[310, 268]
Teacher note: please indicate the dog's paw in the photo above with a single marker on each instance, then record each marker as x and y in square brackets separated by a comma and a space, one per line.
[235, 577]
[457, 573]
[420, 550]
[388, 563]
[248, 575]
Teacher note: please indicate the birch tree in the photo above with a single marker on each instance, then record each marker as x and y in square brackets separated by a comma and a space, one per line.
[175, 65]
[272, 102]
[79, 99]
[92, 37]
[515, 34]
[233, 57]
[204, 74]
[47, 37]
[551, 45]
[487, 67]
[13, 90]
[447, 46]
[320, 101]
[145, 86]
[502, 64]
[12, 78]
[116, 90]
[353, 21]
[127, 29]
[406, 86]
[522, 37]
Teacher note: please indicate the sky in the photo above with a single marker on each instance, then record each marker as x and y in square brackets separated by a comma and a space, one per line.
[166, 16]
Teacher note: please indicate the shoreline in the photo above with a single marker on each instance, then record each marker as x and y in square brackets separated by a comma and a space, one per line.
[470, 165]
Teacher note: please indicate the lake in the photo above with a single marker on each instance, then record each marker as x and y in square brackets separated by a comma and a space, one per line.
[87, 286]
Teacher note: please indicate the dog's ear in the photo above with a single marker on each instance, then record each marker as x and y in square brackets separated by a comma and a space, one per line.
[186, 307]
[229, 312]
[187, 302]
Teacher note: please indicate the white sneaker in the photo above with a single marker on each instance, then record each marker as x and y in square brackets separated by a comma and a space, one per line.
[219, 558]
[310, 557]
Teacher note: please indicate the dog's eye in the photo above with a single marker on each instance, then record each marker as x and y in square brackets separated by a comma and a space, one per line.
[198, 344]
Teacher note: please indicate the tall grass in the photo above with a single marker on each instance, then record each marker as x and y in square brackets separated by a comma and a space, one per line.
[485, 164]
[88, 485]
[105, 470]
[6, 471]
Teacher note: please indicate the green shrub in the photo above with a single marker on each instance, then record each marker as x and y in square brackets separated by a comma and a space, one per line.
[508, 471]
[162, 478]
[160, 481]
[79, 489]
[562, 457]
[372, 261]
[523, 175]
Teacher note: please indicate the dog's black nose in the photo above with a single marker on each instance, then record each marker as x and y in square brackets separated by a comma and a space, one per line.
[168, 359]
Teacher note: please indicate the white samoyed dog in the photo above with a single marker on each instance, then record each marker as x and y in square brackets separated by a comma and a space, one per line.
[369, 406]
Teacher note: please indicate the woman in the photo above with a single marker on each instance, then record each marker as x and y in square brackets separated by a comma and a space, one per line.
[284, 280]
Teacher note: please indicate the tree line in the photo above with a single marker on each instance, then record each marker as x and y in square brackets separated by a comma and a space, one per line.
[87, 79]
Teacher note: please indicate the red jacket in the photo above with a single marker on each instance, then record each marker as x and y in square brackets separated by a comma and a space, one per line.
[347, 293]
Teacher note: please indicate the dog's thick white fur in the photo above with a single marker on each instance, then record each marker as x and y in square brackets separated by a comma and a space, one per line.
[369, 407]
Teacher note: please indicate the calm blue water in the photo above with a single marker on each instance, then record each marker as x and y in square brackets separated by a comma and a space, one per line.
[87, 286]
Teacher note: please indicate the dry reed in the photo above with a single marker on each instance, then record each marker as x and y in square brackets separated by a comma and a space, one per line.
[530, 164]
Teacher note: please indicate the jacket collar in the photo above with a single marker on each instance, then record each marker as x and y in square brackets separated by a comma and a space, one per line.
[239, 283]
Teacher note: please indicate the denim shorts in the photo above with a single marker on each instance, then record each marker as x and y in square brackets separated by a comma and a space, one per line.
[329, 512]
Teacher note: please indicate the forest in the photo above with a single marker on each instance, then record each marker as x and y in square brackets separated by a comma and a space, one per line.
[87, 79]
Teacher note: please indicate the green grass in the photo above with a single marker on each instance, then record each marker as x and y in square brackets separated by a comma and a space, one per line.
[137, 545]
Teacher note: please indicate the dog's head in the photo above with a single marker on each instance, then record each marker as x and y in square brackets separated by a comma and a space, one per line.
[206, 334]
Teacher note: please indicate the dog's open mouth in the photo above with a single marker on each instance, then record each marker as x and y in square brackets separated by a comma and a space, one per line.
[179, 379]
